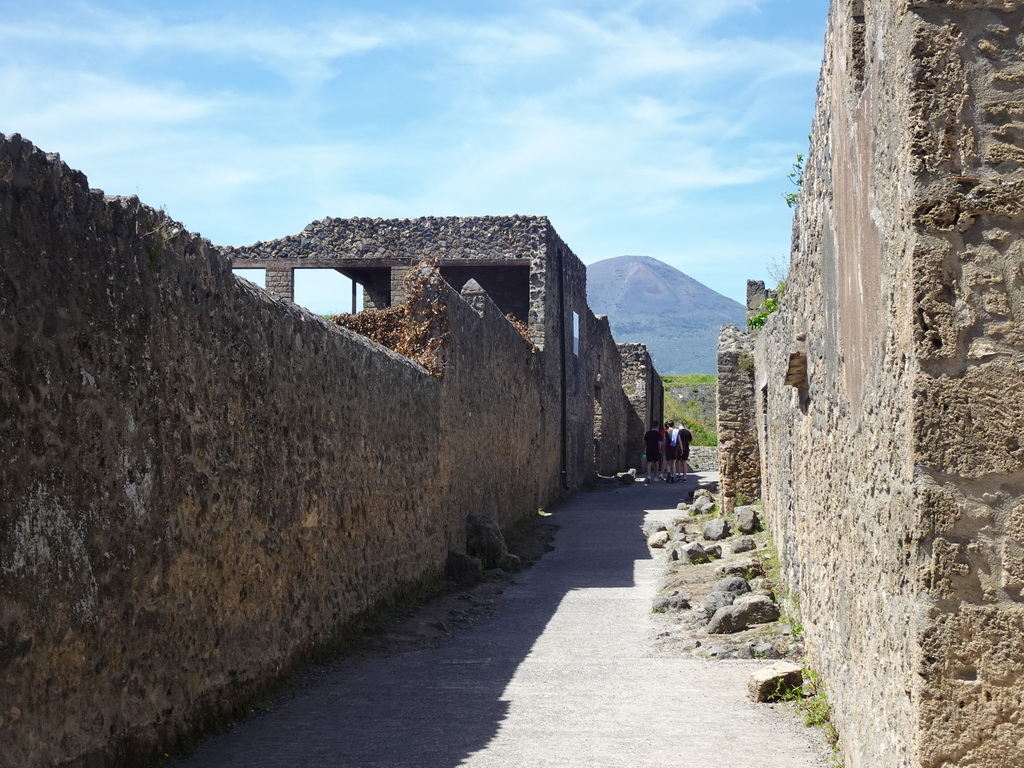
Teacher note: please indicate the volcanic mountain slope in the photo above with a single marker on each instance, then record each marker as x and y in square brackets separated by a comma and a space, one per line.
[648, 301]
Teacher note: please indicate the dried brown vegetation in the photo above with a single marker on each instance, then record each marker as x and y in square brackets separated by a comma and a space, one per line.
[523, 328]
[416, 329]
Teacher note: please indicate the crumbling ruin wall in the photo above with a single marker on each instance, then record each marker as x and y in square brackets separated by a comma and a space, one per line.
[615, 420]
[201, 484]
[736, 414]
[506, 244]
[892, 459]
[643, 388]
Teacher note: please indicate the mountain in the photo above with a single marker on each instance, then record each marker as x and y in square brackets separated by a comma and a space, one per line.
[677, 318]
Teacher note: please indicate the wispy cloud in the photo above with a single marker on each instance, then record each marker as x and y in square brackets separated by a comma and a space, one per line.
[613, 118]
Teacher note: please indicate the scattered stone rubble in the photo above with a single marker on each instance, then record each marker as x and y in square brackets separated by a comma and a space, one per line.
[713, 598]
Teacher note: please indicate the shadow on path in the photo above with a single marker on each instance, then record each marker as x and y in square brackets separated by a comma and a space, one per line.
[435, 708]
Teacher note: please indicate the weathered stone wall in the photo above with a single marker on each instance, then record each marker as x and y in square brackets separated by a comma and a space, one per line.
[525, 267]
[420, 239]
[568, 354]
[704, 458]
[643, 389]
[757, 295]
[368, 249]
[739, 459]
[615, 420]
[892, 459]
[501, 450]
[200, 484]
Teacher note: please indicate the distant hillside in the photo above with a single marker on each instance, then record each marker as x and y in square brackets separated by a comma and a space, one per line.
[648, 301]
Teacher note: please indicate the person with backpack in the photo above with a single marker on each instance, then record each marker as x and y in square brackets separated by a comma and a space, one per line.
[671, 451]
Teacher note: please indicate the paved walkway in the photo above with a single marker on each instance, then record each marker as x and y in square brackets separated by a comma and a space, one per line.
[562, 676]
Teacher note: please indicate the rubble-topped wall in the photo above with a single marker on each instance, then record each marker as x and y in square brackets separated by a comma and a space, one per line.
[526, 268]
[201, 484]
[506, 255]
[892, 458]
[426, 238]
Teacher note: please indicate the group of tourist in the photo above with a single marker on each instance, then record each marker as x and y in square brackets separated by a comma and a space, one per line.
[666, 451]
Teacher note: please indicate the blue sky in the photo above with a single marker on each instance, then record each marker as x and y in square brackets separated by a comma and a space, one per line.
[647, 127]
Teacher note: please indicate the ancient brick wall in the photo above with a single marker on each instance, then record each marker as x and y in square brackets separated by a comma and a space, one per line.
[892, 461]
[736, 414]
[200, 484]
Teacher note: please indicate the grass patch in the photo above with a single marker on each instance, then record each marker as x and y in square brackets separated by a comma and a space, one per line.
[691, 412]
[690, 380]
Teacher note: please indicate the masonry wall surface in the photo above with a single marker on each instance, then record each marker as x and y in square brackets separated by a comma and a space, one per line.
[200, 484]
[894, 473]
[643, 388]
[736, 415]
[615, 420]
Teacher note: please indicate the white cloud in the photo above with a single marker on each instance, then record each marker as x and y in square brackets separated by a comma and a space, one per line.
[615, 119]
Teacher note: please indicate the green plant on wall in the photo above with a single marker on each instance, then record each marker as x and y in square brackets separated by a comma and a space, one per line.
[769, 305]
[764, 309]
[796, 178]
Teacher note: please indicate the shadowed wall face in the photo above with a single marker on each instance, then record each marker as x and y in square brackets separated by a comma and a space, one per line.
[201, 484]
[894, 480]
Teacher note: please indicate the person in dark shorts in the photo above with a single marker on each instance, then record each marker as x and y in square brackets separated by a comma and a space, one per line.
[684, 439]
[671, 451]
[652, 450]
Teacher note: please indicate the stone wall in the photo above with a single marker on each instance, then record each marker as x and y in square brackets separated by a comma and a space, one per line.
[757, 295]
[739, 458]
[567, 352]
[419, 239]
[526, 268]
[201, 484]
[643, 388]
[892, 459]
[704, 458]
[614, 416]
[377, 252]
